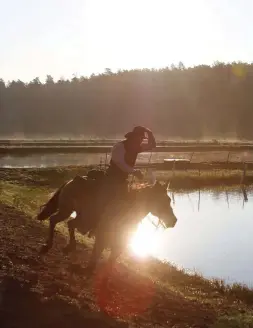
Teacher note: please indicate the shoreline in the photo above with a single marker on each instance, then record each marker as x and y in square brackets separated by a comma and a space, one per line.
[179, 180]
[36, 148]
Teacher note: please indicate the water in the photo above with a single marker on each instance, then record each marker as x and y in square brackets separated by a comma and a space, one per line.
[50, 160]
[66, 159]
[213, 236]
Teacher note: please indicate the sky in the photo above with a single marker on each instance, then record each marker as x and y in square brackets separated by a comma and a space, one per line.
[66, 38]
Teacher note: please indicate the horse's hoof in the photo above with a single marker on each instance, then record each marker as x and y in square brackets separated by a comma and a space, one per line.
[44, 249]
[91, 234]
[69, 248]
[89, 270]
[75, 268]
[78, 269]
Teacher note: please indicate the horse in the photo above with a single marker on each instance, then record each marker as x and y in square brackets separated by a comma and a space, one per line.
[116, 222]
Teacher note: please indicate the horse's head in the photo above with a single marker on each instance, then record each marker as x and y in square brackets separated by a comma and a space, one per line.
[159, 204]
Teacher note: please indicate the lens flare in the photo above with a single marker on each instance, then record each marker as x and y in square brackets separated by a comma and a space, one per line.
[145, 241]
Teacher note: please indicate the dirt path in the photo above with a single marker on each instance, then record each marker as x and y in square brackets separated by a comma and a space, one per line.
[52, 291]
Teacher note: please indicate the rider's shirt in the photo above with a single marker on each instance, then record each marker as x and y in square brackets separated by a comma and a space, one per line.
[123, 158]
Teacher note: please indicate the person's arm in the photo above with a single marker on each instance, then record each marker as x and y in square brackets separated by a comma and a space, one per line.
[118, 157]
[151, 142]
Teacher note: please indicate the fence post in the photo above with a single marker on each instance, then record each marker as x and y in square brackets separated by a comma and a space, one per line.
[244, 173]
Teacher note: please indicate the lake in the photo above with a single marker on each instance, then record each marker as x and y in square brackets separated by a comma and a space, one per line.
[213, 235]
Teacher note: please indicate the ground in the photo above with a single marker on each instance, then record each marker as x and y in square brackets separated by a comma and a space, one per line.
[54, 290]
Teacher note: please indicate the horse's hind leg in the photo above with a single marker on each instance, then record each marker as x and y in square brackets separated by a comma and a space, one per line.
[54, 219]
[72, 225]
[79, 222]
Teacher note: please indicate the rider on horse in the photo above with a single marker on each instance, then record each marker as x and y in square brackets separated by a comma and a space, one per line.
[124, 154]
[123, 159]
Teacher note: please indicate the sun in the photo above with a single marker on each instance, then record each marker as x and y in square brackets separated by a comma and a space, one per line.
[145, 240]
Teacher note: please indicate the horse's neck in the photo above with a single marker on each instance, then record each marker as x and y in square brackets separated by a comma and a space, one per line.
[139, 206]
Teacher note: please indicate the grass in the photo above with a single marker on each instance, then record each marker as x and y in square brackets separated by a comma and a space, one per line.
[143, 293]
[180, 180]
[236, 321]
[193, 285]
[27, 199]
[193, 180]
[24, 198]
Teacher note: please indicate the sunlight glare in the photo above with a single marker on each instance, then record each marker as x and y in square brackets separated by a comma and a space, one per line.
[160, 32]
[146, 238]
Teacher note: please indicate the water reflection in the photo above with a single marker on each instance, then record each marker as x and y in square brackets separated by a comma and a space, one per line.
[66, 159]
[59, 159]
[213, 235]
[50, 160]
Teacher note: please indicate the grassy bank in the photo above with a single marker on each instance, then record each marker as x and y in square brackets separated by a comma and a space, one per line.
[193, 180]
[180, 180]
[53, 291]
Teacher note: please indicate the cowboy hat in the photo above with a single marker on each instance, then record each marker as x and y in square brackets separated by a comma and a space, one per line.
[138, 131]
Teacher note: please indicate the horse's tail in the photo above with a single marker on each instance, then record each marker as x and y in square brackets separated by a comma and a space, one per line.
[51, 206]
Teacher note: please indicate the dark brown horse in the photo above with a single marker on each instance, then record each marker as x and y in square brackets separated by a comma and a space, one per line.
[117, 222]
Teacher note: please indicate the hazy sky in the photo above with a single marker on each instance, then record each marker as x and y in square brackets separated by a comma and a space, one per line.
[65, 37]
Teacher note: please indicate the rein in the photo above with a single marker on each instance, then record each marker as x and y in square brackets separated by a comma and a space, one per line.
[133, 177]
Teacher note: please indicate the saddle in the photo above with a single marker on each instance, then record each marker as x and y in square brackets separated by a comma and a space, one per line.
[96, 174]
[99, 193]
[92, 178]
[97, 181]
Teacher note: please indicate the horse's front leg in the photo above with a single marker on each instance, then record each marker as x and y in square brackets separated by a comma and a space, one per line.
[115, 253]
[96, 253]
[108, 267]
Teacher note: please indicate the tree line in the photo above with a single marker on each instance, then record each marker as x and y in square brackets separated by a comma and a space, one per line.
[175, 101]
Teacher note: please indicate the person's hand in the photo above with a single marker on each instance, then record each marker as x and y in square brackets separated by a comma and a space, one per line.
[140, 127]
[148, 130]
[138, 174]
